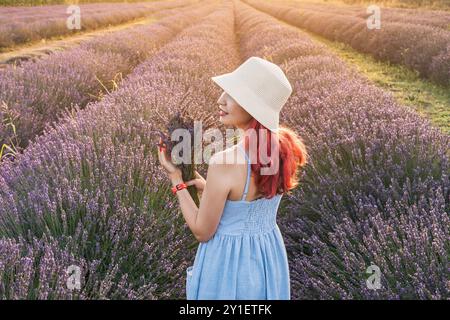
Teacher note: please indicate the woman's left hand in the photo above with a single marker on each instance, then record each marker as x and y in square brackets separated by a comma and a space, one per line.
[164, 160]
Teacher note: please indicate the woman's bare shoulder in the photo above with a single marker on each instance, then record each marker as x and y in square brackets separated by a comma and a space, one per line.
[228, 158]
[224, 166]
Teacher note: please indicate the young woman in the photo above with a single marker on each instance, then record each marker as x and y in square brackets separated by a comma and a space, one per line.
[241, 254]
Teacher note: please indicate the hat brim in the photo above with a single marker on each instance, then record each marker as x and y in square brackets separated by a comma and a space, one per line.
[248, 100]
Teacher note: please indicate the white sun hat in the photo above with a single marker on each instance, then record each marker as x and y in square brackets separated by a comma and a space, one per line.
[260, 87]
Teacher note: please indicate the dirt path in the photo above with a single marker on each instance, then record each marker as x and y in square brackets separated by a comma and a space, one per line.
[45, 46]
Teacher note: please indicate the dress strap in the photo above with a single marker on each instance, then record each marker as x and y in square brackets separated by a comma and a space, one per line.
[248, 173]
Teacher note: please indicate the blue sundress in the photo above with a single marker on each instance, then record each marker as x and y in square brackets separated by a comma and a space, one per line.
[246, 258]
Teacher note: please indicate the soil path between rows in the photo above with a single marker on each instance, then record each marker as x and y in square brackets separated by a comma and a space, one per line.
[43, 47]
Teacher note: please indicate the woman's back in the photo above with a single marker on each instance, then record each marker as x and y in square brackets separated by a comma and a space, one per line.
[246, 258]
[240, 177]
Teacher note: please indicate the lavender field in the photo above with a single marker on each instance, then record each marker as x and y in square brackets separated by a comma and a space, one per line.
[38, 92]
[417, 40]
[20, 25]
[434, 18]
[80, 183]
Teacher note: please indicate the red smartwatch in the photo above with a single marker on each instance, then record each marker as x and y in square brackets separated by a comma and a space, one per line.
[178, 187]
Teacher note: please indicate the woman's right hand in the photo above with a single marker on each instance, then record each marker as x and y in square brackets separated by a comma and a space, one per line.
[199, 182]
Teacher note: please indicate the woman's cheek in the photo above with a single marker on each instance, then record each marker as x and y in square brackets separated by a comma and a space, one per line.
[227, 119]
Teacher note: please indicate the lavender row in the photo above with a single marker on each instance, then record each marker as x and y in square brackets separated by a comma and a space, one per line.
[433, 18]
[20, 25]
[93, 183]
[37, 93]
[421, 48]
[376, 193]
[33, 13]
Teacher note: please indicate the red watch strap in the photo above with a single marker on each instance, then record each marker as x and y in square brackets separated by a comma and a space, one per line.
[178, 187]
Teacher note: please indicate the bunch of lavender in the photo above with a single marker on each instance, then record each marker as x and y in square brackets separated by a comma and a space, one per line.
[183, 120]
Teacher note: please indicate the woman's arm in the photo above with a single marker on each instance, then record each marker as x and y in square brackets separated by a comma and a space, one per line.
[203, 221]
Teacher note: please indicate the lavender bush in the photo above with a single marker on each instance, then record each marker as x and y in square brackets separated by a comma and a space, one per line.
[377, 189]
[22, 262]
[420, 47]
[93, 183]
[39, 92]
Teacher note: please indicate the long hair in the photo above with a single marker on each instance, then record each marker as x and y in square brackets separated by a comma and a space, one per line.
[292, 156]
